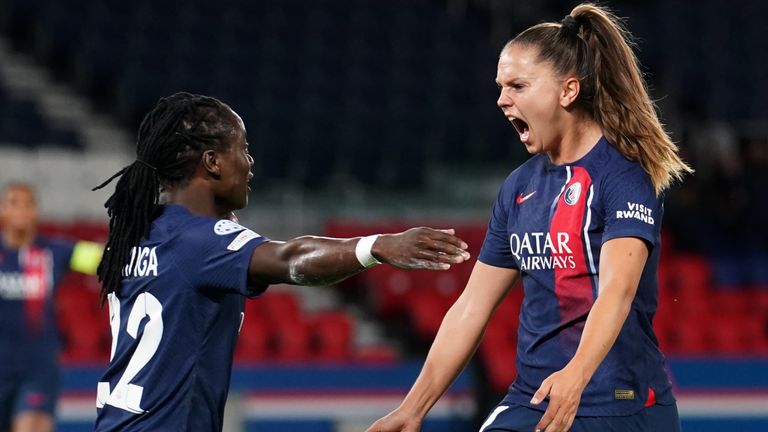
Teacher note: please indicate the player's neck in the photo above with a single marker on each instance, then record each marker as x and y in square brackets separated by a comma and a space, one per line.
[576, 142]
[16, 239]
[200, 204]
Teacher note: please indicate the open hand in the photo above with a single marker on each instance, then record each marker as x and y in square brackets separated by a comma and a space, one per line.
[564, 389]
[421, 248]
[396, 422]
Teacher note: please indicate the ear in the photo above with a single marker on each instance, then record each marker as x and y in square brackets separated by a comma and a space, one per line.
[570, 91]
[211, 163]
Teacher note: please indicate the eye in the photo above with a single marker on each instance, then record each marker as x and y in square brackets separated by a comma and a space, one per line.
[518, 86]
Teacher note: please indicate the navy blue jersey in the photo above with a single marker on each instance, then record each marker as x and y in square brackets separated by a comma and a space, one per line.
[174, 325]
[550, 222]
[28, 279]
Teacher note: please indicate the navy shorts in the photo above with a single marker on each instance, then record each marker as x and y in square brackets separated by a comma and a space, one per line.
[518, 418]
[33, 391]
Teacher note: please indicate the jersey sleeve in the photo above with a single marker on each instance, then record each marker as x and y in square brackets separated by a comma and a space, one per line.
[496, 250]
[62, 250]
[632, 208]
[224, 250]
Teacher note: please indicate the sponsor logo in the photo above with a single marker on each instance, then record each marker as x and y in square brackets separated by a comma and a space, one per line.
[521, 198]
[20, 286]
[572, 194]
[225, 227]
[542, 250]
[636, 211]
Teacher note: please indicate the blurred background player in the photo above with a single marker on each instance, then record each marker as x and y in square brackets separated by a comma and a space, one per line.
[580, 224]
[30, 269]
[176, 257]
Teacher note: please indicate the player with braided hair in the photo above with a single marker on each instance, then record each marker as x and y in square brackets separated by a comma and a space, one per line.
[178, 267]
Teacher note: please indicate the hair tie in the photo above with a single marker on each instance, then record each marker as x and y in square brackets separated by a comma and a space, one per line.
[146, 164]
[570, 24]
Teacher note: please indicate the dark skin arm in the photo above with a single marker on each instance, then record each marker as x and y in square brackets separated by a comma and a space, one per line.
[319, 261]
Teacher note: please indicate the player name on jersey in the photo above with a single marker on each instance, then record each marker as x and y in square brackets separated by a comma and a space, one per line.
[539, 251]
[143, 262]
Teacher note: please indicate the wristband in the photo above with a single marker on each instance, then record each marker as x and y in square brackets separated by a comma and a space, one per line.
[363, 251]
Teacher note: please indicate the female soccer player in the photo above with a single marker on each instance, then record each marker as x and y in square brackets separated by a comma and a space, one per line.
[31, 268]
[177, 267]
[579, 222]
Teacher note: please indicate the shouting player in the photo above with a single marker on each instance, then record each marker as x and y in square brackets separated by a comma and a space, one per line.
[579, 223]
[30, 270]
[177, 267]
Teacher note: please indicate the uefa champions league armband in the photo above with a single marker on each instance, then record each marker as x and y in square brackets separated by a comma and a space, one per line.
[86, 257]
[363, 251]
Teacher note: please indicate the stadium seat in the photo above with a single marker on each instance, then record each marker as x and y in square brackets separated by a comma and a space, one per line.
[332, 336]
[253, 343]
[426, 309]
[291, 340]
[499, 366]
[377, 354]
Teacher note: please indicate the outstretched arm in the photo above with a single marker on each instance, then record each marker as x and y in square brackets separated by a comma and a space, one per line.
[312, 260]
[456, 341]
[621, 265]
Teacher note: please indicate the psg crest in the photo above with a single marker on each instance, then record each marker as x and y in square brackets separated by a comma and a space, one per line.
[571, 196]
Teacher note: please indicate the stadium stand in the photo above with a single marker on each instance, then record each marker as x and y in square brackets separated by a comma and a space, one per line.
[342, 92]
[22, 124]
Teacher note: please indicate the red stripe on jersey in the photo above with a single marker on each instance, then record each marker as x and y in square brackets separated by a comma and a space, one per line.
[37, 268]
[573, 286]
[651, 401]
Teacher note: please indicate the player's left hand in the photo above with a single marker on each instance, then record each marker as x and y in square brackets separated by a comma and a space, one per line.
[564, 389]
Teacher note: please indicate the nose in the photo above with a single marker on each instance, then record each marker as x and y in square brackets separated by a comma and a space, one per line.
[504, 99]
[250, 160]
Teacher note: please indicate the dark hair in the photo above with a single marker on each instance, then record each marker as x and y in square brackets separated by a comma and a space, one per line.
[592, 43]
[172, 137]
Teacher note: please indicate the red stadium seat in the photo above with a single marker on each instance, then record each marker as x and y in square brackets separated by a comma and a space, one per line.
[500, 367]
[389, 288]
[689, 337]
[278, 306]
[291, 340]
[377, 354]
[253, 343]
[332, 334]
[426, 309]
[692, 275]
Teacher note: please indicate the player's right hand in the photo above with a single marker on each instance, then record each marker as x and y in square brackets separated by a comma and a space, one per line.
[396, 422]
[421, 248]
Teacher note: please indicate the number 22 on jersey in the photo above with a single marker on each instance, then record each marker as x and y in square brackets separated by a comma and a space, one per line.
[125, 395]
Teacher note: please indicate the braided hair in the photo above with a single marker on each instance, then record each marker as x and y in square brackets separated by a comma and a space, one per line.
[172, 138]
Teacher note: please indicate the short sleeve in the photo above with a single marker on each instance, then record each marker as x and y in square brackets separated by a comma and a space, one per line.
[632, 208]
[61, 249]
[495, 250]
[224, 250]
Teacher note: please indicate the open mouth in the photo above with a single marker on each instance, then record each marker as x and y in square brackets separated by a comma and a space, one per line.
[522, 128]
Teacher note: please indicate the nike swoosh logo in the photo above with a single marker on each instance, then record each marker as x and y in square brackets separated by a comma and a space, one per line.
[521, 198]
